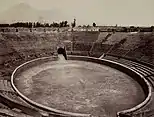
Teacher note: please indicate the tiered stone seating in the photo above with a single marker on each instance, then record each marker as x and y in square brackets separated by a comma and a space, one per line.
[143, 48]
[20, 47]
[1, 84]
[137, 45]
[103, 36]
[85, 37]
[13, 100]
[120, 52]
[3, 106]
[99, 49]
[147, 72]
[82, 42]
[149, 59]
[79, 46]
[12, 113]
[115, 38]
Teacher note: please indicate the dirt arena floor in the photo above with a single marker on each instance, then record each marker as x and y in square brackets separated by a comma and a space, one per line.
[81, 87]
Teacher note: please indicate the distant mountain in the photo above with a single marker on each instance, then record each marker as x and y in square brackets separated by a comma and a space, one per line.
[24, 12]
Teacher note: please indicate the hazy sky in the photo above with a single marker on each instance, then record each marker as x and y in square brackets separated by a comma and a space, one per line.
[103, 12]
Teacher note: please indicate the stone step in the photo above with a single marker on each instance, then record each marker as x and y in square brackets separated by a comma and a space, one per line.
[13, 113]
[14, 97]
[3, 106]
[10, 87]
[2, 87]
[5, 85]
[152, 78]
[151, 82]
[140, 72]
[137, 65]
[150, 71]
[149, 108]
[146, 72]
[140, 67]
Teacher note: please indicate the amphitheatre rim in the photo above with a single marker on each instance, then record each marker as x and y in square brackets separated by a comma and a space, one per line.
[57, 111]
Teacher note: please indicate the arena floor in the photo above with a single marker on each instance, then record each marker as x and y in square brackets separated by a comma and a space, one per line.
[81, 87]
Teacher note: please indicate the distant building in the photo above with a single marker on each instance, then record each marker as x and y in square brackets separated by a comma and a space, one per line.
[89, 29]
[146, 29]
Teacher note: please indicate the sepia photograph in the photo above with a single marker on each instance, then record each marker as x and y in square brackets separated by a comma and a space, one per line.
[76, 58]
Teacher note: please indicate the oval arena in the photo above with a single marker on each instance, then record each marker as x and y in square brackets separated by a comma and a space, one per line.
[80, 85]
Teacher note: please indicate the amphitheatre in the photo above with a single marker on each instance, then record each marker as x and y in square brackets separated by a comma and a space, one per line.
[106, 74]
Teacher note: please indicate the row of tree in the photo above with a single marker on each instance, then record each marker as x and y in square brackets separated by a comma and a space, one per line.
[136, 29]
[127, 29]
[36, 24]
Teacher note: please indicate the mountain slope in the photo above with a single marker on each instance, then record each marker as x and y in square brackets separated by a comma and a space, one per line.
[25, 12]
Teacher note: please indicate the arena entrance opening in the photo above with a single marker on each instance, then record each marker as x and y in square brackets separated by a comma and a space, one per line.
[62, 51]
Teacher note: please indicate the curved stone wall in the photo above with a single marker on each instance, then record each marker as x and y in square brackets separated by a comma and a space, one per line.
[140, 79]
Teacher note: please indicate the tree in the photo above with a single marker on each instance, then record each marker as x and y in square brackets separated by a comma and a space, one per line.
[132, 28]
[152, 28]
[4, 25]
[46, 24]
[38, 24]
[30, 25]
[61, 24]
[65, 23]
[88, 26]
[124, 29]
[74, 23]
[84, 26]
[34, 24]
[94, 24]
[55, 24]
